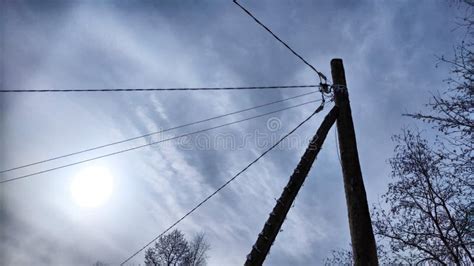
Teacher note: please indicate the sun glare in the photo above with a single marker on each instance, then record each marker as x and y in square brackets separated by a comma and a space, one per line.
[92, 187]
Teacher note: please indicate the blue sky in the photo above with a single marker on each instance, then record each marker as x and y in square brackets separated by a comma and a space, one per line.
[389, 50]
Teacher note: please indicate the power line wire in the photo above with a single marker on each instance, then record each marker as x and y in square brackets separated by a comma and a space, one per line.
[168, 89]
[153, 133]
[152, 143]
[320, 108]
[321, 75]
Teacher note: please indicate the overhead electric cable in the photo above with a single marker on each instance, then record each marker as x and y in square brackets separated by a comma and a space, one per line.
[153, 133]
[168, 89]
[152, 143]
[321, 75]
[225, 184]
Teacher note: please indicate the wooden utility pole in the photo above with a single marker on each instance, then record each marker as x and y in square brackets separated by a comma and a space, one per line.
[271, 228]
[362, 236]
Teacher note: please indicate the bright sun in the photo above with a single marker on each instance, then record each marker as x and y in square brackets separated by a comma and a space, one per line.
[92, 187]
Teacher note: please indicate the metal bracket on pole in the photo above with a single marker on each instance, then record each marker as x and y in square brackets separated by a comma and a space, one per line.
[339, 88]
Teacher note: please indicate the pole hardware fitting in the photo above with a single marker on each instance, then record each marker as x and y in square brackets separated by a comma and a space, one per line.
[324, 87]
[263, 236]
[339, 88]
[256, 249]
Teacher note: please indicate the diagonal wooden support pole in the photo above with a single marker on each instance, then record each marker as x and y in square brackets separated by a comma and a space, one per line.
[271, 228]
